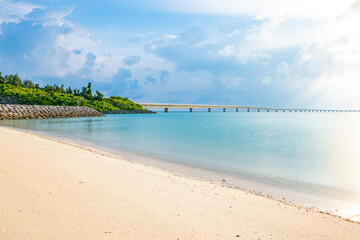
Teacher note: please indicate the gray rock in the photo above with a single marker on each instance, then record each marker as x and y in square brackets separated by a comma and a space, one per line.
[14, 111]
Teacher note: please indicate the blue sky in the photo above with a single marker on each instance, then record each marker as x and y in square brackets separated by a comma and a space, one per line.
[262, 53]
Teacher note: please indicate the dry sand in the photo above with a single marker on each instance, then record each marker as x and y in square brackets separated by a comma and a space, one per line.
[55, 190]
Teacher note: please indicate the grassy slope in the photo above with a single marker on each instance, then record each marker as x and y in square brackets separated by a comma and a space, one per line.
[40, 97]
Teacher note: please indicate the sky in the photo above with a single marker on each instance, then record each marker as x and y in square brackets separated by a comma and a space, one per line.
[280, 53]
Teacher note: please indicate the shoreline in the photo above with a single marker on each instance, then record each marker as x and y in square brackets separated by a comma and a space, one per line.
[315, 201]
[107, 160]
[280, 193]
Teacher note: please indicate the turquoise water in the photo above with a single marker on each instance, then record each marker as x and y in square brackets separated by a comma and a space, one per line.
[317, 154]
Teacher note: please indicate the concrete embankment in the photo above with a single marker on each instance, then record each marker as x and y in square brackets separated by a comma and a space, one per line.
[12, 111]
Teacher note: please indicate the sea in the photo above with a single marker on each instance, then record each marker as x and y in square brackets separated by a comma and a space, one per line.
[306, 159]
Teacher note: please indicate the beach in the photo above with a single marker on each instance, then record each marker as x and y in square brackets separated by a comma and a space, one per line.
[57, 190]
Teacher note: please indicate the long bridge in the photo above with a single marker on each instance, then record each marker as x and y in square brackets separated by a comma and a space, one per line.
[191, 107]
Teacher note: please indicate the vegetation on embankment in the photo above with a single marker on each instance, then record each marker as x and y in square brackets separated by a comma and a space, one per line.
[27, 93]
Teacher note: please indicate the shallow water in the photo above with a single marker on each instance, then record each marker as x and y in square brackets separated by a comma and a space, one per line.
[316, 155]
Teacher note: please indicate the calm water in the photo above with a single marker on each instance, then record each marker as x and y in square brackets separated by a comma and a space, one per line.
[314, 155]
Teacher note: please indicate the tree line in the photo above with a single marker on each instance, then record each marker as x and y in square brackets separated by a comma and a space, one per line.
[85, 92]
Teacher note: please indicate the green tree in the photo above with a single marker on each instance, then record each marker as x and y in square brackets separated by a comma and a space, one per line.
[48, 88]
[89, 91]
[7, 79]
[17, 80]
[83, 91]
[61, 89]
[28, 84]
[69, 90]
[2, 80]
[99, 96]
[76, 92]
[13, 80]
[55, 87]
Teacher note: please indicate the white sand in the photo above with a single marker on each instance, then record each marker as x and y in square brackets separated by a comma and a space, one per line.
[55, 190]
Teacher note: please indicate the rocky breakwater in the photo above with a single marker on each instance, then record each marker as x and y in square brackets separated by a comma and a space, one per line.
[12, 111]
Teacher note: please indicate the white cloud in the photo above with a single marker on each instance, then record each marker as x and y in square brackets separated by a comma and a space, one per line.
[227, 51]
[51, 16]
[231, 82]
[323, 9]
[164, 41]
[326, 65]
[234, 33]
[264, 33]
[11, 11]
[283, 69]
[329, 65]
[57, 47]
[266, 80]
[245, 56]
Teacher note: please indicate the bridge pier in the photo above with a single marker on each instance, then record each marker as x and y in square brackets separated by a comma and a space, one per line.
[190, 109]
[224, 109]
[166, 110]
[237, 109]
[259, 110]
[209, 109]
[248, 109]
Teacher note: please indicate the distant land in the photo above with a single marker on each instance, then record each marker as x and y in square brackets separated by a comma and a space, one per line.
[13, 90]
